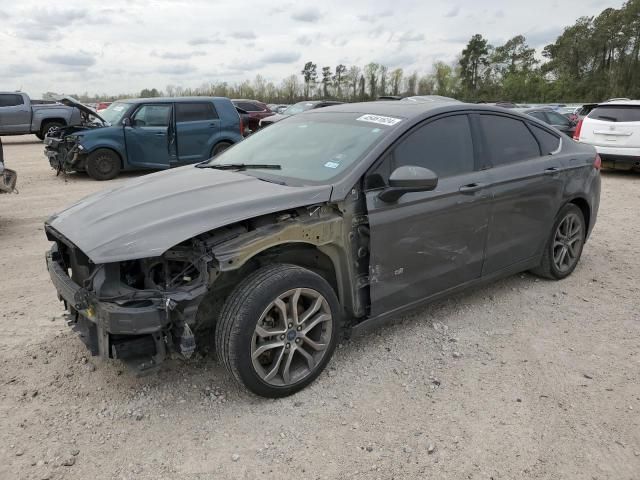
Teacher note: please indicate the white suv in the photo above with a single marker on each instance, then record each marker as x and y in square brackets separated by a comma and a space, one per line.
[613, 128]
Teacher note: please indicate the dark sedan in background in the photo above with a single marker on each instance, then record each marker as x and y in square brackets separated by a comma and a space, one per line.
[296, 109]
[553, 118]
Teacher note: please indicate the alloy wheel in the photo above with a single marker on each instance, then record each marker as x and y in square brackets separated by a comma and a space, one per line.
[291, 337]
[567, 242]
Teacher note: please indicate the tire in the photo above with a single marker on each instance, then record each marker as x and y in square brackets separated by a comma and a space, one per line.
[556, 265]
[44, 129]
[103, 164]
[299, 351]
[219, 148]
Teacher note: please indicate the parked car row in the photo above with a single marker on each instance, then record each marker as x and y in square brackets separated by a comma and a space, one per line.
[297, 234]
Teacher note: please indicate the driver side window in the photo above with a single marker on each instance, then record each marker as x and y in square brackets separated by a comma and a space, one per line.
[444, 146]
[152, 116]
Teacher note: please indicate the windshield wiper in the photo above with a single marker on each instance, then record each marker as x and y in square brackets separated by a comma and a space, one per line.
[240, 166]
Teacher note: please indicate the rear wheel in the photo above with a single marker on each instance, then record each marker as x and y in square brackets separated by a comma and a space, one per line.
[103, 164]
[278, 329]
[564, 247]
[219, 148]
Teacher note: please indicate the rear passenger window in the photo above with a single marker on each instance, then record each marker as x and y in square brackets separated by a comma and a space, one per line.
[508, 140]
[194, 112]
[616, 113]
[444, 146]
[249, 107]
[549, 143]
[11, 100]
[539, 116]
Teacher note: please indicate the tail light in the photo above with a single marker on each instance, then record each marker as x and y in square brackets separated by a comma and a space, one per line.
[241, 127]
[597, 162]
[576, 134]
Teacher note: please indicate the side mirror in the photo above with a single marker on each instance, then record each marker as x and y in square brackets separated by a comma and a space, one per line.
[126, 122]
[408, 179]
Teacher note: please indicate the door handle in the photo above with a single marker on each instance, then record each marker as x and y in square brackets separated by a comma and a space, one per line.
[471, 188]
[551, 170]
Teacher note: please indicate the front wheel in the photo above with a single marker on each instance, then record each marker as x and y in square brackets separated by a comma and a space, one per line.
[103, 164]
[278, 329]
[564, 247]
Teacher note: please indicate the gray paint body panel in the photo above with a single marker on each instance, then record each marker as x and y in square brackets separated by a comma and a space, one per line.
[148, 215]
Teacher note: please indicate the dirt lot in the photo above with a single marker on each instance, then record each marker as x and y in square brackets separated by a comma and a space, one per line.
[522, 379]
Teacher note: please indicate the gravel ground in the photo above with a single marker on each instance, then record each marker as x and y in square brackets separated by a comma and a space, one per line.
[523, 379]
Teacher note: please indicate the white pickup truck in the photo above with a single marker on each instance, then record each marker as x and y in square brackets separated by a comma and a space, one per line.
[19, 115]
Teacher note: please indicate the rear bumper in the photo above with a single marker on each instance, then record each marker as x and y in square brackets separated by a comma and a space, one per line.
[619, 157]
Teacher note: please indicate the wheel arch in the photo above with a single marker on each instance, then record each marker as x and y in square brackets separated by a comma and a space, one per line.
[584, 207]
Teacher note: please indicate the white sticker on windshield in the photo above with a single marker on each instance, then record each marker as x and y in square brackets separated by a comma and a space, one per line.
[332, 165]
[379, 119]
[118, 108]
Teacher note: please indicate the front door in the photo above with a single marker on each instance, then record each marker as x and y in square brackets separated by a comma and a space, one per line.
[527, 187]
[148, 136]
[197, 129]
[15, 115]
[428, 242]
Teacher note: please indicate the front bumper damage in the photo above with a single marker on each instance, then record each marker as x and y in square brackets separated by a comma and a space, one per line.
[141, 332]
[64, 154]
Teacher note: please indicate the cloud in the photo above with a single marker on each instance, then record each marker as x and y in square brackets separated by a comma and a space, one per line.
[499, 14]
[410, 37]
[396, 59]
[304, 40]
[18, 70]
[540, 38]
[370, 18]
[4, 14]
[177, 55]
[308, 14]
[281, 57]
[453, 12]
[78, 60]
[206, 41]
[245, 35]
[177, 69]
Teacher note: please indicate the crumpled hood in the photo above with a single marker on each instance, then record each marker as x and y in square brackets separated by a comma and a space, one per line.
[150, 214]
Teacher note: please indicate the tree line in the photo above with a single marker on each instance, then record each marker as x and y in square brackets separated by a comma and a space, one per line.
[594, 59]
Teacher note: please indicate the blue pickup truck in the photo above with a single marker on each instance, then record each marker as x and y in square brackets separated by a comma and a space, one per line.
[145, 133]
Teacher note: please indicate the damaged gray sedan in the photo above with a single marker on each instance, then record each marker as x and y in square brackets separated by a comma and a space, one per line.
[326, 223]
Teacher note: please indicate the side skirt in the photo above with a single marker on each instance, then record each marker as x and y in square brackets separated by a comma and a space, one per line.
[373, 323]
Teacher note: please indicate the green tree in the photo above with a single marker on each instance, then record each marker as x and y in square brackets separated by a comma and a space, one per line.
[474, 58]
[371, 71]
[310, 75]
[326, 81]
[396, 81]
[338, 79]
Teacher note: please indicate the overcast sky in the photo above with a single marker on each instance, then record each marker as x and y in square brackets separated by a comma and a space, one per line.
[123, 46]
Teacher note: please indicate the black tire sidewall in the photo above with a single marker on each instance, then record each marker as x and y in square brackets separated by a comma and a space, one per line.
[47, 126]
[219, 148]
[245, 323]
[570, 208]
[93, 170]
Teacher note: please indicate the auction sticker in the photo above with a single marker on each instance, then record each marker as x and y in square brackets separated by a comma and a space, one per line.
[379, 119]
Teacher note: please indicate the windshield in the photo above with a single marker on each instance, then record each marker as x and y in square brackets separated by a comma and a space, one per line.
[312, 148]
[298, 108]
[114, 112]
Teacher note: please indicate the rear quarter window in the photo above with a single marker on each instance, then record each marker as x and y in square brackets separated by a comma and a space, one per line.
[616, 113]
[549, 143]
[194, 112]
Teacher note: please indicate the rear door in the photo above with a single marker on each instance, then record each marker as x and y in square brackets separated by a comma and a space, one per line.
[147, 138]
[612, 126]
[197, 129]
[427, 242]
[527, 184]
[15, 114]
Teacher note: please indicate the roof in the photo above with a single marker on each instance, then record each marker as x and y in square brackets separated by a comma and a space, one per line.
[400, 108]
[168, 99]
[620, 102]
